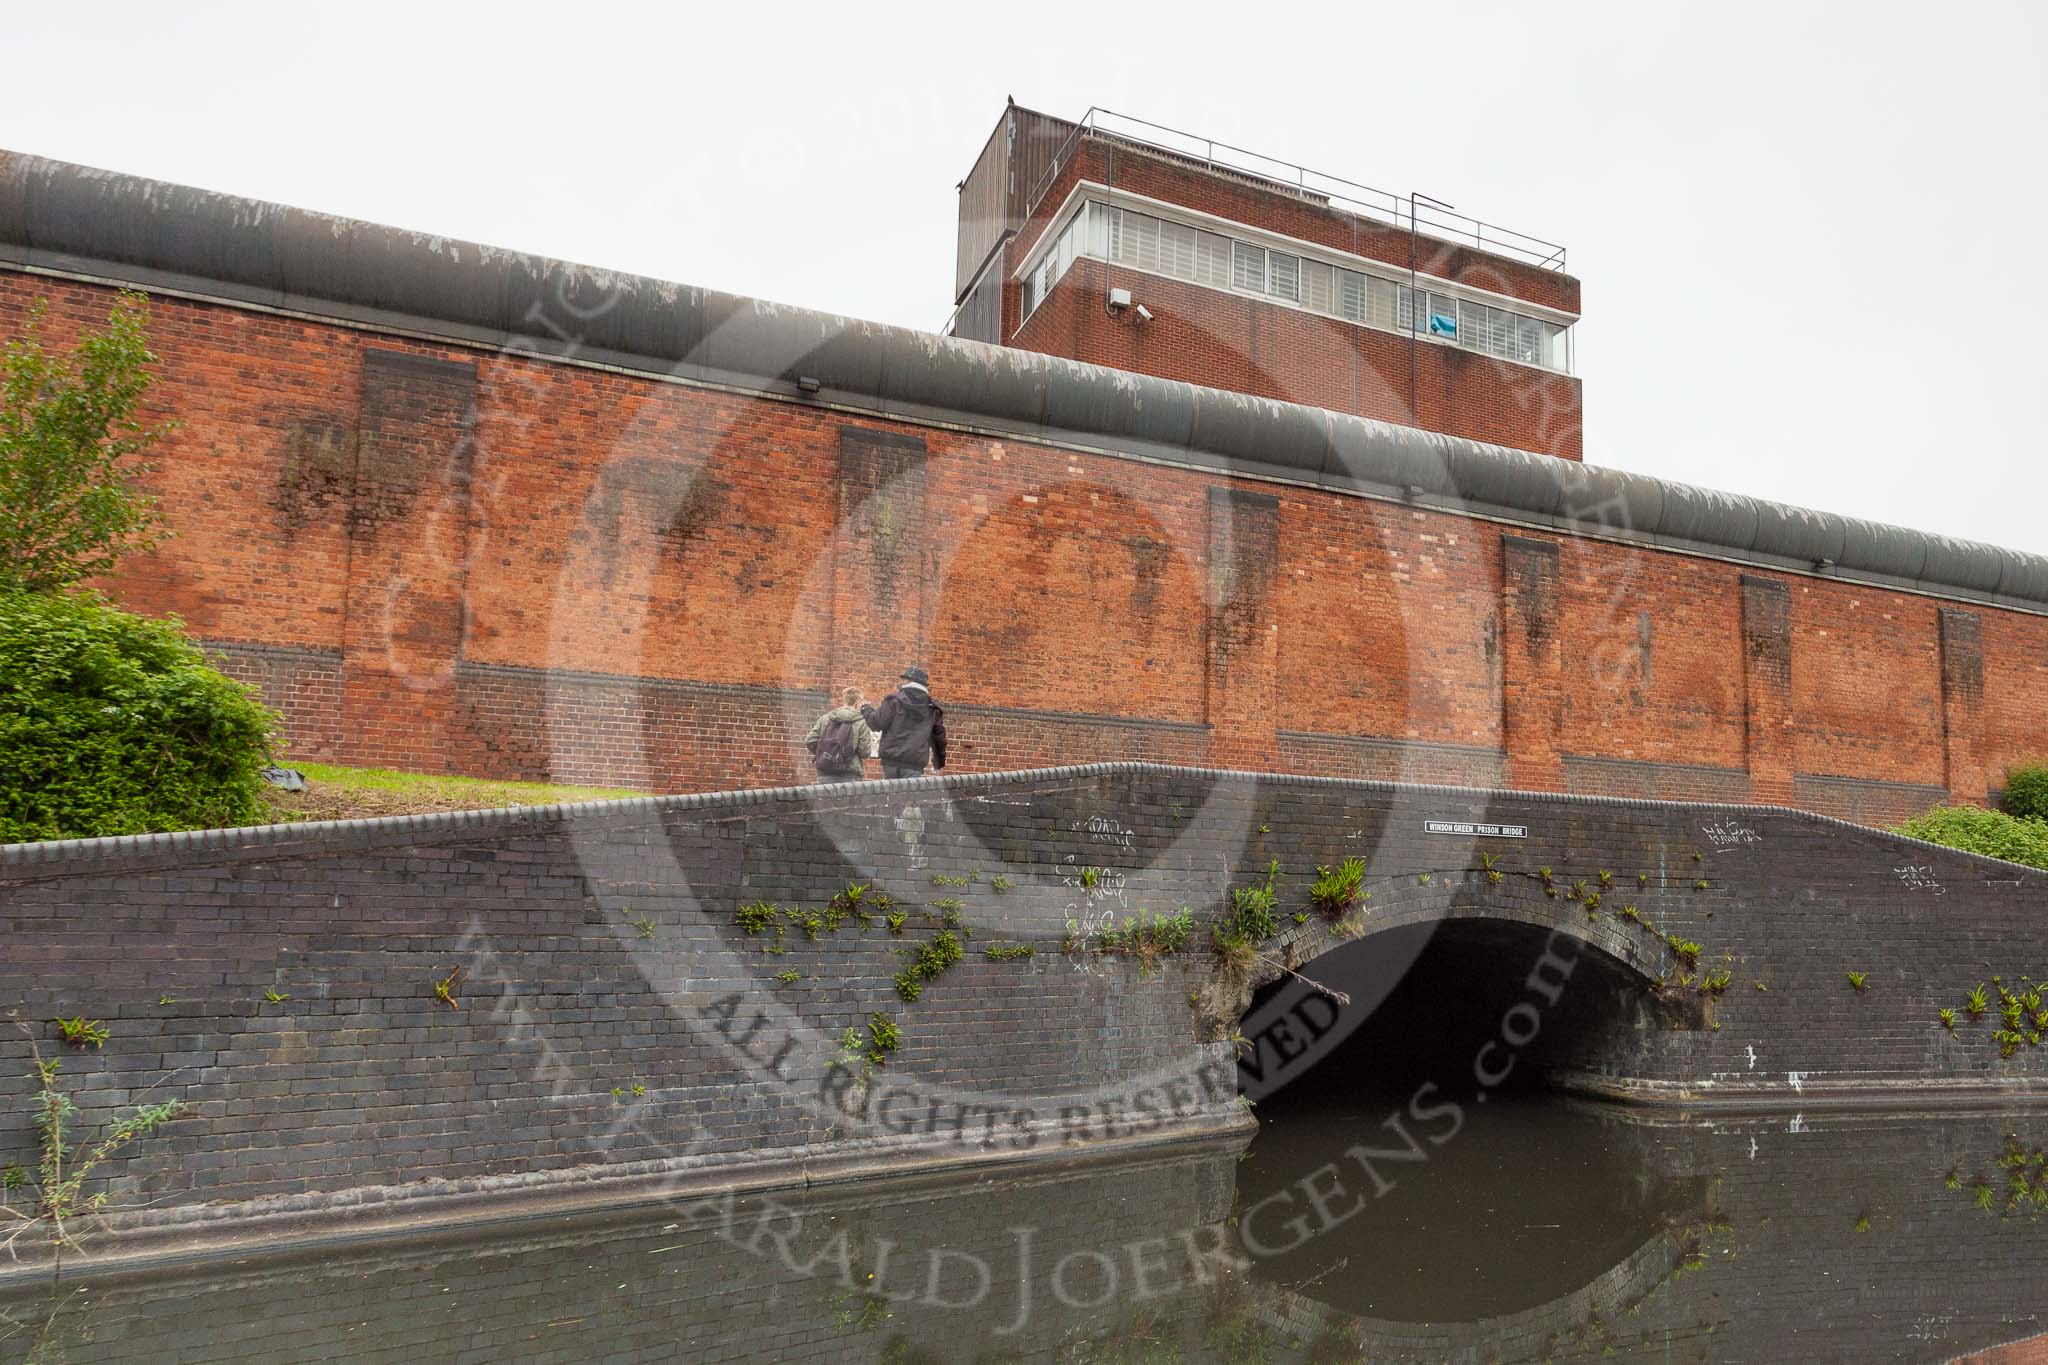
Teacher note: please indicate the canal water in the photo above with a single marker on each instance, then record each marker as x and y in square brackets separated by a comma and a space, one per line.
[1364, 1222]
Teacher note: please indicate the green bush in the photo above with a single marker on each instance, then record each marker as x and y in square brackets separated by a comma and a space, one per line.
[2026, 791]
[111, 723]
[1992, 833]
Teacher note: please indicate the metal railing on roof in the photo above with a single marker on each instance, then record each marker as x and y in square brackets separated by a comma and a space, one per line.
[1399, 211]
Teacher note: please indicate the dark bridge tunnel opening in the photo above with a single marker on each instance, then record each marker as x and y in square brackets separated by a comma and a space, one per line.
[1423, 1167]
[1471, 1005]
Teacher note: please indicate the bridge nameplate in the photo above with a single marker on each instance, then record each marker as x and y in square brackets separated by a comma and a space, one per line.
[1479, 827]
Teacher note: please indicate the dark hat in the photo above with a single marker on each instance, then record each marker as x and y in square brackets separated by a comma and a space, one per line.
[916, 675]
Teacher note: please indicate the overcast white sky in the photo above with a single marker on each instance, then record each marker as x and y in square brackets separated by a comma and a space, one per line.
[1811, 236]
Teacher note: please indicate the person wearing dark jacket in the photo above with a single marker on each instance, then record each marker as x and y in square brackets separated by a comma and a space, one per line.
[912, 726]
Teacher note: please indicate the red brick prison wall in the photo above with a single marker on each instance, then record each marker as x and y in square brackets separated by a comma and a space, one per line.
[445, 559]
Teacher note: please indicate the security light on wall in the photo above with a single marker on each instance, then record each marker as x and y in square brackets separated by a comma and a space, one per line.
[1144, 313]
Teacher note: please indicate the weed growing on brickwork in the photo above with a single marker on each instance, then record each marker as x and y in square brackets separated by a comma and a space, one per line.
[1336, 889]
[901, 1351]
[1234, 955]
[56, 1188]
[996, 953]
[1251, 916]
[758, 917]
[1606, 877]
[861, 1310]
[1856, 979]
[1148, 936]
[789, 978]
[857, 902]
[444, 989]
[165, 1000]
[1593, 903]
[1700, 885]
[1335, 1346]
[1977, 1002]
[947, 905]
[1350, 927]
[1091, 877]
[928, 964]
[1686, 951]
[883, 1038]
[1422, 879]
[1300, 917]
[940, 879]
[1544, 874]
[274, 996]
[894, 919]
[1716, 982]
[1631, 914]
[83, 1032]
[644, 925]
[1233, 1328]
[1642, 880]
[1001, 882]
[1948, 1019]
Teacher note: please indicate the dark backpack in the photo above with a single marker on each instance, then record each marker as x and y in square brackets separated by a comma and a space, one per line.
[835, 748]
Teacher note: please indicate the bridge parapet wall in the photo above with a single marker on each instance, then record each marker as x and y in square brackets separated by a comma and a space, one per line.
[613, 1019]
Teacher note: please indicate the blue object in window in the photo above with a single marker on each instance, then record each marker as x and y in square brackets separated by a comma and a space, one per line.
[1443, 324]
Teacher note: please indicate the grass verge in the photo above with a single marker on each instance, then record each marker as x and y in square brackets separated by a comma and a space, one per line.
[336, 793]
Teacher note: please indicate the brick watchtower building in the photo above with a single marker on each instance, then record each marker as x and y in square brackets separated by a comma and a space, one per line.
[1122, 243]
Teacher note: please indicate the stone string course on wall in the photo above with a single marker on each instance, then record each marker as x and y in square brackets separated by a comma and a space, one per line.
[600, 953]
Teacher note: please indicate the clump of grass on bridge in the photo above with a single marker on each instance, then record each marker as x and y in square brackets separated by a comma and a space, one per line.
[336, 793]
[1989, 832]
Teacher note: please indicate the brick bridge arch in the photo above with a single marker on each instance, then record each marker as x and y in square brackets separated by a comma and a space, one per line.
[1596, 977]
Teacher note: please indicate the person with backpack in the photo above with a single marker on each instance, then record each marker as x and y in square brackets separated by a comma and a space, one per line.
[840, 741]
[912, 726]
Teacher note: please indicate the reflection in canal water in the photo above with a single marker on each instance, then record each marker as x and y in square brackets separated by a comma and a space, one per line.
[1533, 1230]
